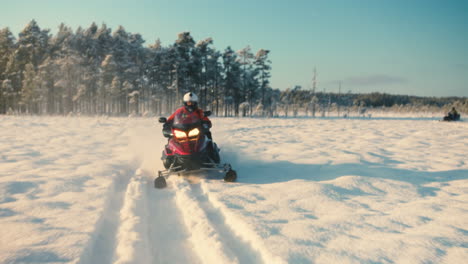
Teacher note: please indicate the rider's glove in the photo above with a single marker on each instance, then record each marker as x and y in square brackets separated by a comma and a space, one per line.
[166, 130]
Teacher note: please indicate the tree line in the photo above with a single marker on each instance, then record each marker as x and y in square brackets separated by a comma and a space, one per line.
[297, 101]
[100, 71]
[97, 71]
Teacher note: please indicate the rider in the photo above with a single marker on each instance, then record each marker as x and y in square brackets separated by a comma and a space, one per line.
[453, 114]
[190, 106]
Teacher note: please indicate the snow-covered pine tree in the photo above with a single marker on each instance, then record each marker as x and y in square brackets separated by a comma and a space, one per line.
[248, 76]
[103, 41]
[8, 94]
[71, 72]
[263, 65]
[7, 47]
[232, 82]
[29, 92]
[158, 76]
[35, 42]
[214, 79]
[47, 74]
[136, 81]
[184, 77]
[32, 49]
[201, 52]
[121, 54]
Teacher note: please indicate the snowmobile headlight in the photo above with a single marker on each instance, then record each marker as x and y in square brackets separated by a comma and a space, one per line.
[179, 134]
[194, 132]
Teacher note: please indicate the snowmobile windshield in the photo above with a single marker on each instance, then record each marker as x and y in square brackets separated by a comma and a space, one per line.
[186, 121]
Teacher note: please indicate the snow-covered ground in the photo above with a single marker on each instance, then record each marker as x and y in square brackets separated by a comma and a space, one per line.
[79, 190]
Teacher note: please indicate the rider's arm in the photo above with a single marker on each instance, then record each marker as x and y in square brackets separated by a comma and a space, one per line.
[205, 119]
[168, 125]
[170, 119]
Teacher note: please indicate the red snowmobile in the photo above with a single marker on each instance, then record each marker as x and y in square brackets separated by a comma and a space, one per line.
[190, 150]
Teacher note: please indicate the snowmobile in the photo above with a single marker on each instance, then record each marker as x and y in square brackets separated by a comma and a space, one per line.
[189, 150]
[452, 117]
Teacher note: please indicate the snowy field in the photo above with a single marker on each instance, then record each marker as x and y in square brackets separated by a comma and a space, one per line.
[79, 190]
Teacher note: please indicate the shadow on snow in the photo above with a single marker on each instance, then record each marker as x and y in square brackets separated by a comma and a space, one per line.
[265, 172]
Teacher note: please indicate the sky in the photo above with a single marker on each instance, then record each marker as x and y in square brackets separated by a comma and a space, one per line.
[414, 47]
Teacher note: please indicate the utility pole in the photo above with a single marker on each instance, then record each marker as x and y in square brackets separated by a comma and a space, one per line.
[339, 98]
[314, 81]
[314, 86]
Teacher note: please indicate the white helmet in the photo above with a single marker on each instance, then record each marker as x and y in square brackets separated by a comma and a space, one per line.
[190, 97]
[193, 99]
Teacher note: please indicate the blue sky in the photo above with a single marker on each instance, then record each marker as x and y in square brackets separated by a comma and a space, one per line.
[415, 47]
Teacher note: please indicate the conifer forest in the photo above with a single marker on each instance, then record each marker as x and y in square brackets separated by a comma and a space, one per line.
[100, 71]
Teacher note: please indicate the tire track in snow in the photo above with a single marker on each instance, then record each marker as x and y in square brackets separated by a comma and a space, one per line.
[212, 239]
[243, 229]
[132, 241]
[148, 228]
[168, 236]
[102, 245]
[175, 225]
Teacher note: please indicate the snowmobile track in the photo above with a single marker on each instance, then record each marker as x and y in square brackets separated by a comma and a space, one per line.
[99, 250]
[139, 225]
[210, 234]
[178, 224]
[168, 236]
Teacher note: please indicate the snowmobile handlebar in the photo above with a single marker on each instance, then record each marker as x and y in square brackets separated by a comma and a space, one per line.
[164, 120]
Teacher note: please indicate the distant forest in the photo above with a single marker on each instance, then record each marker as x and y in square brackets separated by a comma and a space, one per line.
[97, 71]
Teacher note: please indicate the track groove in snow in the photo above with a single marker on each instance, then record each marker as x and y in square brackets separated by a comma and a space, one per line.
[168, 235]
[243, 229]
[212, 239]
[101, 248]
[140, 225]
[242, 250]
[132, 236]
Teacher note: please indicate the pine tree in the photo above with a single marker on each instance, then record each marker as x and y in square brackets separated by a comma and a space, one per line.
[71, 73]
[7, 47]
[121, 56]
[115, 93]
[103, 40]
[136, 82]
[159, 74]
[29, 91]
[213, 73]
[8, 94]
[183, 76]
[201, 53]
[47, 74]
[31, 49]
[248, 76]
[262, 62]
[35, 43]
[109, 71]
[232, 82]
